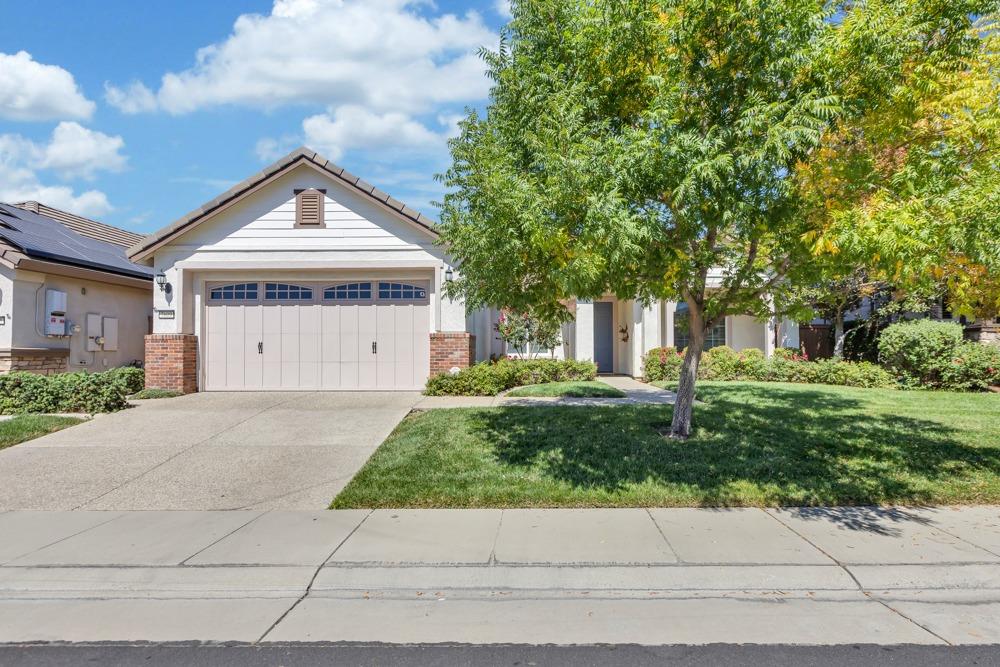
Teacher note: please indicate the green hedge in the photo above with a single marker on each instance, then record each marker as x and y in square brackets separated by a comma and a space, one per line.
[22, 392]
[491, 378]
[724, 363]
[929, 354]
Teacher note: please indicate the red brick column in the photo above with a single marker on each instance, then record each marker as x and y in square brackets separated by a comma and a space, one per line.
[451, 350]
[172, 362]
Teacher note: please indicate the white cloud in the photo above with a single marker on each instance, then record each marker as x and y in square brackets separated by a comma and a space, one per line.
[351, 127]
[133, 99]
[73, 151]
[32, 91]
[380, 54]
[269, 149]
[502, 7]
[76, 152]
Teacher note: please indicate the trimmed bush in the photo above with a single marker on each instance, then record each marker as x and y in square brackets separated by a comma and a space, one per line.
[725, 364]
[132, 379]
[156, 393]
[491, 378]
[919, 352]
[973, 367]
[22, 392]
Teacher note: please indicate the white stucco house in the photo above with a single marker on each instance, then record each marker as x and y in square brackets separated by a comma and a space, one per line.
[303, 276]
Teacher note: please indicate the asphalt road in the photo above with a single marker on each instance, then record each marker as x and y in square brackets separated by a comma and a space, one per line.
[513, 656]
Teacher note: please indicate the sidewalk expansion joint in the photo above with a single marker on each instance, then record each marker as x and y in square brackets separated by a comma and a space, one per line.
[680, 561]
[312, 580]
[857, 583]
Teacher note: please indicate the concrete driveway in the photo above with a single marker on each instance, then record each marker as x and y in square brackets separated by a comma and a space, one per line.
[205, 451]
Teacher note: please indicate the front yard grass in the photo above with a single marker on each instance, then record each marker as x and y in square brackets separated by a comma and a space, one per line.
[755, 444]
[578, 389]
[28, 427]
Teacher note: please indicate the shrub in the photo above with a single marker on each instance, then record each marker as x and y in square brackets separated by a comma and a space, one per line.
[919, 352]
[157, 393]
[662, 363]
[132, 379]
[491, 378]
[22, 392]
[973, 367]
[724, 363]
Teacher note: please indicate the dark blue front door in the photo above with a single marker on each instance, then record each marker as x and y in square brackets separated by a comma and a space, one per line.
[604, 336]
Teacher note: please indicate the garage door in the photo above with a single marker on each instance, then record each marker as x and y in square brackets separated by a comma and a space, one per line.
[317, 336]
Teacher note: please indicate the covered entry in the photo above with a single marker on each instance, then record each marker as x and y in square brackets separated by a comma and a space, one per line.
[334, 335]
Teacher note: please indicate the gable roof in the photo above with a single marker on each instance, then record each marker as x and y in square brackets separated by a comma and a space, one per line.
[99, 231]
[301, 155]
[40, 237]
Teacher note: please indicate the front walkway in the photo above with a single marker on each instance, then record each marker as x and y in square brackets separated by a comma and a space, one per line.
[660, 576]
[205, 451]
[635, 393]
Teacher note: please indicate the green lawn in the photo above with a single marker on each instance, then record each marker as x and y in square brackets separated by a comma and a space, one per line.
[755, 444]
[28, 427]
[578, 389]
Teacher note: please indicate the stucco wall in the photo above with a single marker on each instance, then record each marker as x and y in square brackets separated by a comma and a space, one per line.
[745, 332]
[25, 327]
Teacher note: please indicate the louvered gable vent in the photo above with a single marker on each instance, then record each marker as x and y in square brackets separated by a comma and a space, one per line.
[309, 208]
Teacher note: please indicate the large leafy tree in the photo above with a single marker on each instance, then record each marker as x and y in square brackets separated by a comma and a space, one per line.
[666, 149]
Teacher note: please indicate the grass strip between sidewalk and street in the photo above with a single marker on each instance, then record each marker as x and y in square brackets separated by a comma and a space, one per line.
[754, 444]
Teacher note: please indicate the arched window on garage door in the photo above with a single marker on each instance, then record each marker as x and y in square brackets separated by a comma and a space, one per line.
[287, 292]
[234, 292]
[396, 291]
[348, 292]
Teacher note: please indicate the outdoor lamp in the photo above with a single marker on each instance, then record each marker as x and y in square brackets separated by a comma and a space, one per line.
[449, 275]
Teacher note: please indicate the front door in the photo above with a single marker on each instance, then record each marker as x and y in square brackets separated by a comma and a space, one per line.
[604, 336]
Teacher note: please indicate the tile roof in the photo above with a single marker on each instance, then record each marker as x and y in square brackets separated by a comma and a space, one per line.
[42, 237]
[92, 228]
[298, 156]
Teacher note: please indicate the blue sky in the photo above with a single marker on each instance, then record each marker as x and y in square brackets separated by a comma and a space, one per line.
[135, 113]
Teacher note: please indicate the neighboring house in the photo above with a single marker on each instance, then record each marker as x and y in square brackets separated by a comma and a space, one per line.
[305, 277]
[69, 297]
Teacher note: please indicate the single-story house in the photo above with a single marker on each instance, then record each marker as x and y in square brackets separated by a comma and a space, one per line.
[69, 297]
[304, 276]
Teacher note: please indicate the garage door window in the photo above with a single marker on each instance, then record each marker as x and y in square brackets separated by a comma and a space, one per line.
[401, 292]
[348, 292]
[235, 292]
[286, 292]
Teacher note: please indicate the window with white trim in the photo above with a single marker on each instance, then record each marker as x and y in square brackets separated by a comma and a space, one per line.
[287, 292]
[401, 291]
[714, 337]
[234, 292]
[348, 292]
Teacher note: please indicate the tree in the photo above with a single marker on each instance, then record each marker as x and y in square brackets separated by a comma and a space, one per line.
[528, 333]
[633, 146]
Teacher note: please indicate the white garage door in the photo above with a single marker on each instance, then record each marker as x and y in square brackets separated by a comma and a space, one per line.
[338, 335]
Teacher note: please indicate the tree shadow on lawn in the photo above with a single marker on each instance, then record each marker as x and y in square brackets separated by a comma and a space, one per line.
[752, 446]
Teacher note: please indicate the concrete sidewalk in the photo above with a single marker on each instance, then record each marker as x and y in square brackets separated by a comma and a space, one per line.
[660, 576]
[636, 393]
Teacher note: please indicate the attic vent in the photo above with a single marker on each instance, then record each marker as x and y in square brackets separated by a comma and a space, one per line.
[309, 208]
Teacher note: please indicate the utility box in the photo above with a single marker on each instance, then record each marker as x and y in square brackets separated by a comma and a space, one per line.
[110, 333]
[94, 332]
[55, 312]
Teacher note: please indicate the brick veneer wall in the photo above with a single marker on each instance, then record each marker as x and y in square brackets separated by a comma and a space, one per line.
[172, 362]
[451, 350]
[42, 365]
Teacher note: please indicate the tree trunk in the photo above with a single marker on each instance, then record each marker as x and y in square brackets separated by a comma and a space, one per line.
[680, 426]
[838, 335]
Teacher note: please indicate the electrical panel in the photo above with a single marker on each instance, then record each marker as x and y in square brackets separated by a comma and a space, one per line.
[110, 333]
[95, 334]
[55, 312]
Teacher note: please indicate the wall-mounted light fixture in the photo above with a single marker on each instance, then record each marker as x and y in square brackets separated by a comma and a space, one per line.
[449, 275]
[161, 281]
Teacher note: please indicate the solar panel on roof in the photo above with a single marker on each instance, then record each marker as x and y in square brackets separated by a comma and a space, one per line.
[44, 238]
